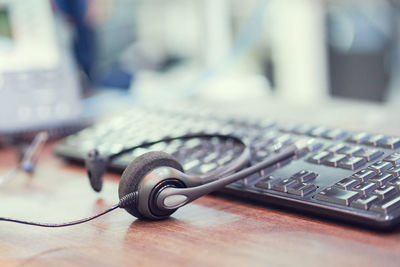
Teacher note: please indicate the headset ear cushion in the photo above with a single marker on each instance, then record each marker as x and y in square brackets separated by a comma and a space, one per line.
[138, 168]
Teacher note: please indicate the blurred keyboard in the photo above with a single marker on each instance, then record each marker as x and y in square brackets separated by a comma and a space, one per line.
[350, 176]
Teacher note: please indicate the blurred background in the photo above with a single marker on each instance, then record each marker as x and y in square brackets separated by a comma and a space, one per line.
[65, 60]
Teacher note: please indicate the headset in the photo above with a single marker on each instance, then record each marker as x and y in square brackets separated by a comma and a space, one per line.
[154, 185]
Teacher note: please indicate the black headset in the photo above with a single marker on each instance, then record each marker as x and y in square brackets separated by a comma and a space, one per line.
[154, 185]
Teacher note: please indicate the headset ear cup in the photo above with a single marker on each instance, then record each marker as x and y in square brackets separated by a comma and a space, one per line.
[137, 169]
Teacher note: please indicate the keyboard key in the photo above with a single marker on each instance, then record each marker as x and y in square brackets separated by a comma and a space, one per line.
[299, 174]
[358, 138]
[274, 147]
[395, 170]
[380, 166]
[335, 134]
[302, 189]
[351, 151]
[211, 157]
[284, 184]
[395, 183]
[265, 123]
[300, 153]
[365, 188]
[284, 139]
[391, 142]
[369, 154]
[224, 159]
[287, 127]
[205, 168]
[267, 182]
[364, 203]
[259, 155]
[352, 163]
[304, 176]
[337, 196]
[191, 165]
[384, 192]
[337, 148]
[319, 131]
[346, 183]
[259, 144]
[382, 179]
[393, 158]
[387, 206]
[364, 175]
[334, 160]
[319, 157]
[375, 140]
[303, 129]
[313, 145]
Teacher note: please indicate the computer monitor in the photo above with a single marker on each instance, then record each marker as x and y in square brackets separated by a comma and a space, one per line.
[38, 83]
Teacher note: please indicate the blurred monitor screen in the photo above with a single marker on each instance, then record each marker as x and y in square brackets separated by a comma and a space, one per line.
[38, 85]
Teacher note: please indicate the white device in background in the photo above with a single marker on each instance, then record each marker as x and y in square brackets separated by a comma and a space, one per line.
[38, 83]
[298, 49]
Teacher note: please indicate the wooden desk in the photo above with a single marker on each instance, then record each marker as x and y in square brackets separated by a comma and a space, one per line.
[209, 232]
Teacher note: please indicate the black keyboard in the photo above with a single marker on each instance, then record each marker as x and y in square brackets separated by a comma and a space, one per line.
[349, 176]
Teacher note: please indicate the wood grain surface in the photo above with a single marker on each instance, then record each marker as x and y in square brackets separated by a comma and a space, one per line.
[212, 231]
